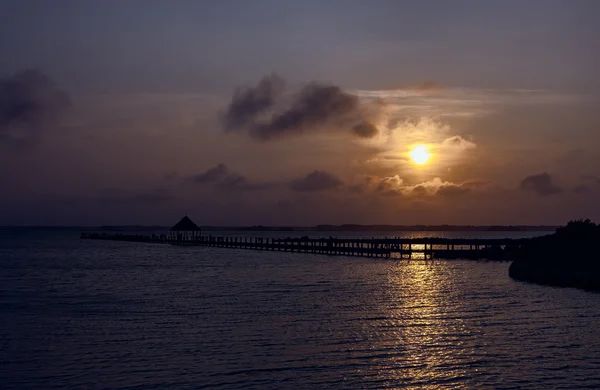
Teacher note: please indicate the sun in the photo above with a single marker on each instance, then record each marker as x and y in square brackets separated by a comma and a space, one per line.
[419, 155]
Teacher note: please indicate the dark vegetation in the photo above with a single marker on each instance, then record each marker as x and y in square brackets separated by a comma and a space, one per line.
[570, 257]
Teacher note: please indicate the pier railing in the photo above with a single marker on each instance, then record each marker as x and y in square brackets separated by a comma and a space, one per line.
[402, 248]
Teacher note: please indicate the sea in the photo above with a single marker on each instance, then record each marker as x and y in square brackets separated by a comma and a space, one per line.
[85, 314]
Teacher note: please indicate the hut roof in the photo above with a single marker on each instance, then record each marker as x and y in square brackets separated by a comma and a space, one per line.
[185, 225]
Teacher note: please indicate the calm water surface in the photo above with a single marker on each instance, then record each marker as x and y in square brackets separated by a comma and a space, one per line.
[85, 314]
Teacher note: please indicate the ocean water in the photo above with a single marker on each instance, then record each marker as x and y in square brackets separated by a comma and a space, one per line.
[111, 315]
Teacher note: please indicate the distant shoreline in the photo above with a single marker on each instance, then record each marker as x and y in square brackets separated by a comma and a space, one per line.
[317, 228]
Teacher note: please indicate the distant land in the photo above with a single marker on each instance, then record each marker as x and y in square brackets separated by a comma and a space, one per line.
[396, 228]
[318, 228]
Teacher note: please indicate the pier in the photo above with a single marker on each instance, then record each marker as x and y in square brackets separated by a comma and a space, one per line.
[187, 233]
[400, 248]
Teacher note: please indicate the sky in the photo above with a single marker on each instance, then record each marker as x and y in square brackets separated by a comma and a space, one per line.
[272, 112]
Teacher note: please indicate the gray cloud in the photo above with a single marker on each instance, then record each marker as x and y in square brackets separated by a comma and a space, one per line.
[542, 184]
[365, 130]
[265, 114]
[247, 103]
[222, 178]
[29, 101]
[316, 181]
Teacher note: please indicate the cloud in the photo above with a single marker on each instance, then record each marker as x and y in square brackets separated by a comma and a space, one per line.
[316, 181]
[401, 136]
[266, 114]
[365, 130]
[439, 187]
[458, 105]
[389, 185]
[222, 178]
[458, 142]
[418, 129]
[248, 103]
[29, 101]
[542, 184]
[394, 185]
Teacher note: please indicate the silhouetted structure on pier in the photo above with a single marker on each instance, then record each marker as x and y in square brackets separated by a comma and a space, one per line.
[186, 230]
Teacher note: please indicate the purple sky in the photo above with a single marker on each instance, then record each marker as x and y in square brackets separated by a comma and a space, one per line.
[299, 113]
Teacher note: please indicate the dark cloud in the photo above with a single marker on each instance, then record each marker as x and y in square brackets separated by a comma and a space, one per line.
[542, 184]
[315, 105]
[365, 130]
[224, 179]
[29, 101]
[248, 103]
[265, 114]
[316, 181]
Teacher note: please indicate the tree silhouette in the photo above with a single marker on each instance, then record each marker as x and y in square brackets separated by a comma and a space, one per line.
[577, 242]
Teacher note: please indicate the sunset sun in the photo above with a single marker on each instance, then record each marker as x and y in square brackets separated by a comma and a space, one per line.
[419, 155]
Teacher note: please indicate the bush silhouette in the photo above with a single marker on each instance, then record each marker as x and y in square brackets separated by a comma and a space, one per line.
[577, 242]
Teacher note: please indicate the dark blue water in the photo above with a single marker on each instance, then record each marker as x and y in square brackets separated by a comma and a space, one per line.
[87, 314]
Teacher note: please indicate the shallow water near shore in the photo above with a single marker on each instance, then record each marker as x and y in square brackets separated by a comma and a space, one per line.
[85, 314]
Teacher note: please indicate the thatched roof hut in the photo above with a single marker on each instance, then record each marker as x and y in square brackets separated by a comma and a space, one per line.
[186, 228]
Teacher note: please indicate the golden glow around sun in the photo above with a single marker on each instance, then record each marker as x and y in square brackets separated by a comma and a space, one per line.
[419, 155]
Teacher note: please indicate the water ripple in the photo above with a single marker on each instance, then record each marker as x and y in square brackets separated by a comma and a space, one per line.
[116, 315]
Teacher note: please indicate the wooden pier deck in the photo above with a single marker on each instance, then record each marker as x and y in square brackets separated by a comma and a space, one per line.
[402, 248]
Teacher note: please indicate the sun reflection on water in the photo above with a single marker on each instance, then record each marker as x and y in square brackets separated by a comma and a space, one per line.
[426, 340]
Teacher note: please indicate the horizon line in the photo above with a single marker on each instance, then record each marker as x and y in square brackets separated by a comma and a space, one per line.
[347, 226]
